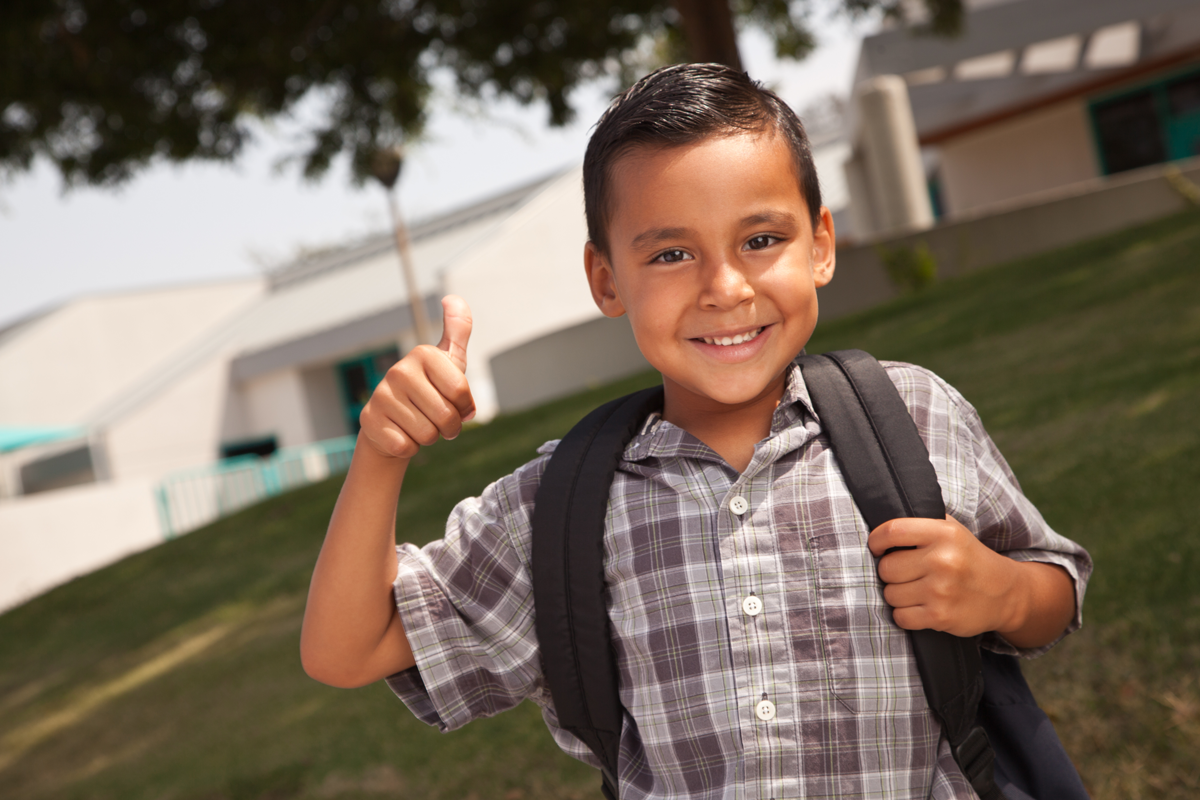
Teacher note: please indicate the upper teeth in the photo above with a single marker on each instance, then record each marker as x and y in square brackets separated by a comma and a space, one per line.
[728, 340]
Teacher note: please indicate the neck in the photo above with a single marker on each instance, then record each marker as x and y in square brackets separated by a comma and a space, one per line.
[731, 430]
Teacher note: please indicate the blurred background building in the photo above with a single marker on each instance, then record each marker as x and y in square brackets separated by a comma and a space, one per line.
[1034, 96]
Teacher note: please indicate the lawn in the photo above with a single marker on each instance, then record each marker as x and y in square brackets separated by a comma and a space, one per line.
[175, 674]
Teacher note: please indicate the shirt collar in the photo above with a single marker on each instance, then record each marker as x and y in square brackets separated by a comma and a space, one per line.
[658, 438]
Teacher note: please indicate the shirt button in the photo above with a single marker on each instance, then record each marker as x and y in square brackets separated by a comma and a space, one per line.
[765, 710]
[738, 505]
[752, 606]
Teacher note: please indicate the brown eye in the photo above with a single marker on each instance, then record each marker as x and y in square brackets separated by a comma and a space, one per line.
[671, 256]
[761, 241]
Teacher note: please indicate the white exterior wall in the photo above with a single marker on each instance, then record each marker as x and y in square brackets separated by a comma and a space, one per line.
[48, 539]
[276, 405]
[1042, 150]
[527, 280]
[324, 399]
[75, 359]
[177, 427]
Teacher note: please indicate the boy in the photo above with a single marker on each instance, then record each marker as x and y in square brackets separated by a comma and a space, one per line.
[760, 645]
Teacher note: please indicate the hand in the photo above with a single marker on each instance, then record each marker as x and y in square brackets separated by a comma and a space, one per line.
[948, 581]
[424, 395]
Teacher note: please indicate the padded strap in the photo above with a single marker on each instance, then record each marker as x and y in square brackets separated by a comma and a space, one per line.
[570, 614]
[887, 468]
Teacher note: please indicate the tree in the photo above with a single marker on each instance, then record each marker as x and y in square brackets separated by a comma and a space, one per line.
[101, 88]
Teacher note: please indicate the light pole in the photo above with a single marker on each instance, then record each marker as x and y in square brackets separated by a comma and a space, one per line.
[386, 170]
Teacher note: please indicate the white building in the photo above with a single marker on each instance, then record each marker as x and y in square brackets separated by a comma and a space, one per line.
[141, 383]
[104, 396]
[1035, 96]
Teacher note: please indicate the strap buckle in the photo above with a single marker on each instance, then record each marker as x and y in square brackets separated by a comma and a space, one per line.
[976, 759]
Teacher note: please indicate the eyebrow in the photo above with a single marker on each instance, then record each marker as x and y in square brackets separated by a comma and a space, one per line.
[656, 236]
[780, 218]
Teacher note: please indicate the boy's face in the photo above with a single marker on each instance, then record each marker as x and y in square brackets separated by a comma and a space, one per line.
[711, 243]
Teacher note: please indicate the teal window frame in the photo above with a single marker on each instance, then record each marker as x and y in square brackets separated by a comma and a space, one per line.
[1171, 128]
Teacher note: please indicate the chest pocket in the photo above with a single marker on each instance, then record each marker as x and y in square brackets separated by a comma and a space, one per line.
[868, 658]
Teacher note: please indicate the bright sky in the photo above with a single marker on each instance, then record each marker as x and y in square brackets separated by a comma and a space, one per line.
[208, 221]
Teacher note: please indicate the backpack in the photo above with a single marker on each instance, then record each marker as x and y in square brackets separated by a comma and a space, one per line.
[1004, 744]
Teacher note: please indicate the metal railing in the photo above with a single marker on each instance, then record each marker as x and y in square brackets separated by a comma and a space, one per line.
[191, 498]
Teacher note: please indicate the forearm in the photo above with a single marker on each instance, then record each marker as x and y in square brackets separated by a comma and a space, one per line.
[352, 634]
[1041, 604]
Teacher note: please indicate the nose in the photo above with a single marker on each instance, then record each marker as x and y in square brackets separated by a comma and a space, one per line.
[725, 285]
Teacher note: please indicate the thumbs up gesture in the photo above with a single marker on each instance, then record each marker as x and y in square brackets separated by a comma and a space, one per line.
[424, 395]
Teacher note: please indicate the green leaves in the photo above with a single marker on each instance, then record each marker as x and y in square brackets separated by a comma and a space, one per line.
[101, 88]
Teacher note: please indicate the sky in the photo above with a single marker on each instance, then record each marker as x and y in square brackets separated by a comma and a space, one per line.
[207, 221]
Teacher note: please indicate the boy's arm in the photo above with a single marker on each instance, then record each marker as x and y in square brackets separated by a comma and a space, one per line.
[950, 581]
[352, 634]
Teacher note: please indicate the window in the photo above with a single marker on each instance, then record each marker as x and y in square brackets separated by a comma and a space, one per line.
[1129, 132]
[1150, 124]
[262, 447]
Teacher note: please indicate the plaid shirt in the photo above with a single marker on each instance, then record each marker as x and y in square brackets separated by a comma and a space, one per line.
[726, 590]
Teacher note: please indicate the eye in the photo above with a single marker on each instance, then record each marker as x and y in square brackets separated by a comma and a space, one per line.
[761, 241]
[672, 256]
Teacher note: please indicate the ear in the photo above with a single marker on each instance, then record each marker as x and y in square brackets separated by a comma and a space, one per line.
[602, 281]
[824, 256]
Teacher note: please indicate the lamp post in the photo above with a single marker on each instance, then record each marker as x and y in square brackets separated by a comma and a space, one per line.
[386, 169]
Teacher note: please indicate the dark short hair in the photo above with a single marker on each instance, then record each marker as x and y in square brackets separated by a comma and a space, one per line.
[681, 105]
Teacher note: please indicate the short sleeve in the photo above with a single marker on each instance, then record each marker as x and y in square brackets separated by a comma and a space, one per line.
[982, 492]
[466, 602]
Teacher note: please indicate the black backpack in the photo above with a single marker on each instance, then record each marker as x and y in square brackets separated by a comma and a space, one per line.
[1002, 741]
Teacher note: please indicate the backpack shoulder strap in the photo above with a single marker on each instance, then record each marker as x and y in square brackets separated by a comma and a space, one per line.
[570, 614]
[887, 468]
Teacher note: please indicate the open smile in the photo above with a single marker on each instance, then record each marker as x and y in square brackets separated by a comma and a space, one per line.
[727, 341]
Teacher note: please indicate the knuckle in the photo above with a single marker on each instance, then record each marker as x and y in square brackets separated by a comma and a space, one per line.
[446, 418]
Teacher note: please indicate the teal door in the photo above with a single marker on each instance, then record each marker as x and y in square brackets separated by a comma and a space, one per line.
[359, 376]
[1183, 116]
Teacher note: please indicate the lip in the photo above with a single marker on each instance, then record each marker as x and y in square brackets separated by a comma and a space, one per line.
[734, 353]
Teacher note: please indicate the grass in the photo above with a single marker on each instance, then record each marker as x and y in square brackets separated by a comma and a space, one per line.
[175, 674]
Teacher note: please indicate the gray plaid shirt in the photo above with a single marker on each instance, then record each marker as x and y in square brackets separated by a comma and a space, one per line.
[757, 656]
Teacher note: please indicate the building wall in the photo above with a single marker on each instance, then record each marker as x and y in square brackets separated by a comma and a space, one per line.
[179, 426]
[1051, 220]
[48, 539]
[1041, 150]
[323, 397]
[277, 404]
[586, 355]
[533, 261]
[79, 357]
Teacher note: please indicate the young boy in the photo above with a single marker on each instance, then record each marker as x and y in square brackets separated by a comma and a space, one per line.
[758, 625]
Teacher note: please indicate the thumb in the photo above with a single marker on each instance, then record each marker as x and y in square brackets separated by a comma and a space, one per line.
[456, 329]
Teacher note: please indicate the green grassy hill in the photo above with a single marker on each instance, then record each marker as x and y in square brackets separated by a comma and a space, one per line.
[175, 673]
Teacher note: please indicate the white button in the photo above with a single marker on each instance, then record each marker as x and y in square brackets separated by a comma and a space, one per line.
[765, 710]
[752, 605]
[738, 505]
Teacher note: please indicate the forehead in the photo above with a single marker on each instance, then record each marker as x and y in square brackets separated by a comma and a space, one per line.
[703, 180]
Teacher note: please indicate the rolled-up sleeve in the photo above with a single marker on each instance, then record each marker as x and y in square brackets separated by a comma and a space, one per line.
[466, 602]
[1010, 524]
[981, 490]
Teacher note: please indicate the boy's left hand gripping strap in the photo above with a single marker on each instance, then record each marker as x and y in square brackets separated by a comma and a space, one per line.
[570, 614]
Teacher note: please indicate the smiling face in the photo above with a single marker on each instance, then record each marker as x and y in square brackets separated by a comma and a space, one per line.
[712, 255]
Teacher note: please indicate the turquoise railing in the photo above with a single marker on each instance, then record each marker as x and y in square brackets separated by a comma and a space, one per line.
[191, 498]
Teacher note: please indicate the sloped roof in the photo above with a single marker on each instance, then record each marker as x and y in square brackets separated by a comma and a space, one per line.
[335, 299]
[363, 279]
[1018, 55]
